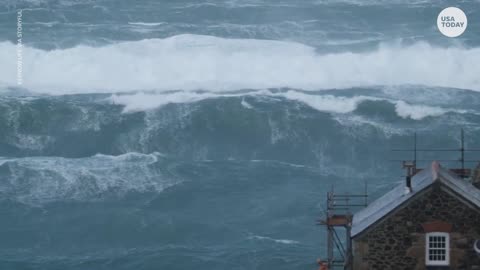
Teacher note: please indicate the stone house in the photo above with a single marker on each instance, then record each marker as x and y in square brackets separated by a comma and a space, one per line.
[432, 222]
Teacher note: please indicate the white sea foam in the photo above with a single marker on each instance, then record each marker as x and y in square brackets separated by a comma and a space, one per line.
[338, 104]
[417, 112]
[354, 126]
[146, 101]
[38, 180]
[334, 104]
[325, 103]
[246, 105]
[280, 241]
[147, 23]
[192, 62]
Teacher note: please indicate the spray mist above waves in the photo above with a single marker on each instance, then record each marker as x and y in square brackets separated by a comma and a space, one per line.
[192, 62]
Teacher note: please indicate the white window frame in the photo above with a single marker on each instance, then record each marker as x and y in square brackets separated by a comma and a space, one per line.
[447, 249]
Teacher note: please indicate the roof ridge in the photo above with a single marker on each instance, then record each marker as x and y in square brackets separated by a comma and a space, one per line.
[391, 200]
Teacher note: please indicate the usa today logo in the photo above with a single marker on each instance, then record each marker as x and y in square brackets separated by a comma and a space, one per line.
[452, 22]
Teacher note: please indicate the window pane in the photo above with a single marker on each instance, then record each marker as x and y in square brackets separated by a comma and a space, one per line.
[437, 248]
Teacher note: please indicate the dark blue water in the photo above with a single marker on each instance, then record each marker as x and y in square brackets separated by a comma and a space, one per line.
[204, 135]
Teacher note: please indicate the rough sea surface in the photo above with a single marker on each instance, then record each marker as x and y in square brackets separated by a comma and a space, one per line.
[184, 134]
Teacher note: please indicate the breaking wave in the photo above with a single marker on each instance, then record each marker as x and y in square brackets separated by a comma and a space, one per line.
[192, 62]
[291, 126]
[325, 103]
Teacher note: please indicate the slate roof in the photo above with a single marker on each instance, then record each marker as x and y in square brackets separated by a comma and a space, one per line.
[381, 207]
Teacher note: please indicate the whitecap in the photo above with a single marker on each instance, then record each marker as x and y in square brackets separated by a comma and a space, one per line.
[193, 62]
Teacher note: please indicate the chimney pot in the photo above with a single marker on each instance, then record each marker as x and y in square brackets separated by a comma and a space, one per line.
[408, 186]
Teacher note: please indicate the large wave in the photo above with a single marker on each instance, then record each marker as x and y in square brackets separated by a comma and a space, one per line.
[290, 125]
[193, 62]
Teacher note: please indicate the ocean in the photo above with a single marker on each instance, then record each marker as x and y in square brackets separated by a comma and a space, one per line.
[183, 134]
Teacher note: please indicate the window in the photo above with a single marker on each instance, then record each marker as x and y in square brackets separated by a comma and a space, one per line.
[437, 248]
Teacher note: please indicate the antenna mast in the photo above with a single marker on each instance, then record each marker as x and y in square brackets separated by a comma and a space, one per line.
[462, 149]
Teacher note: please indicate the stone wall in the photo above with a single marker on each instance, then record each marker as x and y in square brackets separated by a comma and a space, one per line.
[398, 242]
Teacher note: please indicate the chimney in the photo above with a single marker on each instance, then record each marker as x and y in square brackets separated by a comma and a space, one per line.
[408, 184]
[411, 170]
[476, 176]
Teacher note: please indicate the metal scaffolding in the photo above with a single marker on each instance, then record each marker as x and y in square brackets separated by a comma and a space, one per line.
[338, 216]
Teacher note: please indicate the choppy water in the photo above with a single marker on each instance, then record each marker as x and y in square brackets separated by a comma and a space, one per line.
[204, 134]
